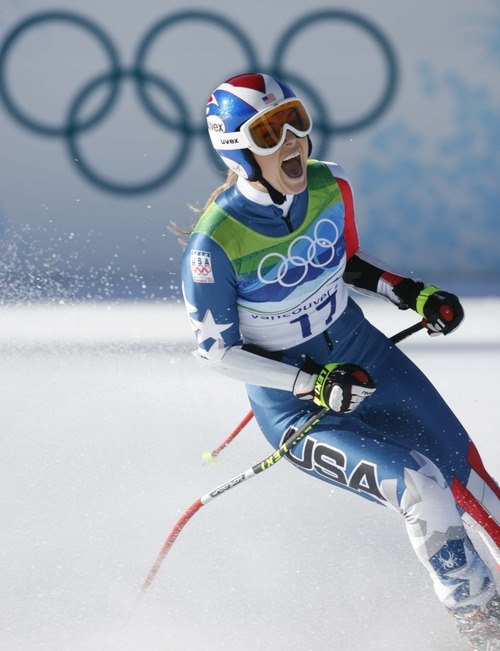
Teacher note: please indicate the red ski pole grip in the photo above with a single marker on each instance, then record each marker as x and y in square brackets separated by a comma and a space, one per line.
[446, 312]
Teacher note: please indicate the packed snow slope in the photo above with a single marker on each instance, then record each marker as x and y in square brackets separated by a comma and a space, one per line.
[105, 415]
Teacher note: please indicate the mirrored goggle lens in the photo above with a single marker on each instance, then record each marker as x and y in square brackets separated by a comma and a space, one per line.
[268, 130]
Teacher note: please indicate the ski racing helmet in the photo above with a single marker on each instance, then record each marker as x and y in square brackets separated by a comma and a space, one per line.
[238, 118]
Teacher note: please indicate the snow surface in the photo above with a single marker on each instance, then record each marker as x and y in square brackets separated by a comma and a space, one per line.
[105, 415]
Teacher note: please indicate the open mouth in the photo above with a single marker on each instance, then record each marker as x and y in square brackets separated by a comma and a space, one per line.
[292, 166]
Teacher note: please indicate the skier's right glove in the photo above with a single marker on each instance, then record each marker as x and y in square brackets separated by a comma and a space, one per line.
[340, 387]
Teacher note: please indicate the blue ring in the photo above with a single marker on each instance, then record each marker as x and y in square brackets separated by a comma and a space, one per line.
[109, 49]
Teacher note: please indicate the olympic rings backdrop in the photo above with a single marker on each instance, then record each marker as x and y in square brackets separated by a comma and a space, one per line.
[182, 123]
[107, 141]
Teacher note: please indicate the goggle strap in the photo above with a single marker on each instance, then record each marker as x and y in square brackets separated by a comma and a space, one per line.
[231, 140]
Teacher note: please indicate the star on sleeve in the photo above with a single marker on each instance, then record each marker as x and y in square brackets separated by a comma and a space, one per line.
[208, 328]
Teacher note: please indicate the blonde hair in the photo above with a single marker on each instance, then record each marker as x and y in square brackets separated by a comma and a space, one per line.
[231, 179]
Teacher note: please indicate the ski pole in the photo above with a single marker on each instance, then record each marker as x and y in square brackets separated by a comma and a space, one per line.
[295, 436]
[408, 331]
[210, 457]
[278, 454]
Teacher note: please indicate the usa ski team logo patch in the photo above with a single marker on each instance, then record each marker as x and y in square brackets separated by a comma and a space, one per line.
[201, 267]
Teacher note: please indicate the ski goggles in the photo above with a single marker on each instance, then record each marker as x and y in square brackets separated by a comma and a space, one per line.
[266, 132]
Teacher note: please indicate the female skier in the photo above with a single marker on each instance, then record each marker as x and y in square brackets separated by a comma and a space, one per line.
[265, 281]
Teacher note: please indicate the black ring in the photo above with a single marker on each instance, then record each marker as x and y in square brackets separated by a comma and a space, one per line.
[169, 21]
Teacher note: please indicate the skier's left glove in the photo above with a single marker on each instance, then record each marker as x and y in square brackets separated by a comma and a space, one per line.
[441, 310]
[340, 387]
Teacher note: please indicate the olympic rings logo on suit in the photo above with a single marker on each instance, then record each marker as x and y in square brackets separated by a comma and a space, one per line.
[111, 79]
[322, 243]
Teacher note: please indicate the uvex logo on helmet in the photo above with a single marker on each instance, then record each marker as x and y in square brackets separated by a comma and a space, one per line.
[220, 139]
[216, 125]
